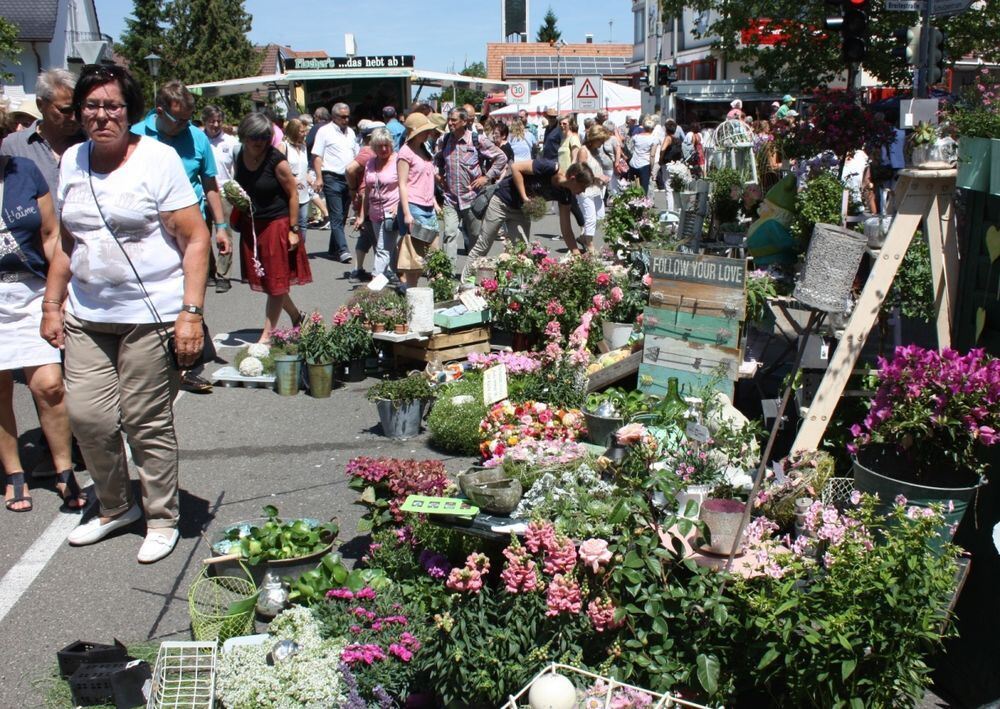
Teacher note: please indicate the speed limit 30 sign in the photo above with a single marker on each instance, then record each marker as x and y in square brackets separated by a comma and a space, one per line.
[519, 92]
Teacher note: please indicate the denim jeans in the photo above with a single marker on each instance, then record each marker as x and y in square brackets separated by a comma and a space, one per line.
[453, 220]
[303, 220]
[338, 203]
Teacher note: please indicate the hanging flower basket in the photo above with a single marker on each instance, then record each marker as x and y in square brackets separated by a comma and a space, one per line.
[830, 266]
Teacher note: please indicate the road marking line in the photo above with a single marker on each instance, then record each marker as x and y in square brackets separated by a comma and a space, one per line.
[20, 576]
[23, 573]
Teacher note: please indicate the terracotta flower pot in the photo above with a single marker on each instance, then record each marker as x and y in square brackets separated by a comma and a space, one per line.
[401, 329]
[378, 327]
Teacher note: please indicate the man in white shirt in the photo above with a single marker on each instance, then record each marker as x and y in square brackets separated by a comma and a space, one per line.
[224, 148]
[333, 151]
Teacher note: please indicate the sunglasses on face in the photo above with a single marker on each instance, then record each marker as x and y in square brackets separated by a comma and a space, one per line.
[179, 122]
[65, 110]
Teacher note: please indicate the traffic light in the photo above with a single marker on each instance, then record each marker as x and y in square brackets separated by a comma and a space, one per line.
[908, 44]
[855, 30]
[935, 63]
[666, 75]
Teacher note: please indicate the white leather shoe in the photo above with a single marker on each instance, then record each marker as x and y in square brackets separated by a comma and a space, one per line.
[159, 543]
[94, 531]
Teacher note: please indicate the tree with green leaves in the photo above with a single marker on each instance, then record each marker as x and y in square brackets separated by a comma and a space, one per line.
[206, 40]
[9, 51]
[548, 32]
[808, 56]
[143, 35]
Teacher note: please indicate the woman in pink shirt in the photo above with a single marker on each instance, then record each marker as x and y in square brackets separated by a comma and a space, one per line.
[415, 168]
[380, 200]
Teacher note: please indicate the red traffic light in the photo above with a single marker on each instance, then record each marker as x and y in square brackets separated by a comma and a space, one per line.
[859, 4]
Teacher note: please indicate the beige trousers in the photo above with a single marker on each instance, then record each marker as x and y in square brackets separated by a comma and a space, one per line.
[498, 214]
[120, 378]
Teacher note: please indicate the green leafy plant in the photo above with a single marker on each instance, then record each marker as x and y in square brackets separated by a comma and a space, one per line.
[851, 617]
[310, 587]
[760, 287]
[913, 288]
[454, 427]
[351, 337]
[627, 403]
[277, 539]
[439, 269]
[727, 194]
[819, 202]
[316, 342]
[415, 387]
[975, 115]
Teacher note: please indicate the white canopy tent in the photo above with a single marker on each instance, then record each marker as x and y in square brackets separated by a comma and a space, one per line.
[619, 101]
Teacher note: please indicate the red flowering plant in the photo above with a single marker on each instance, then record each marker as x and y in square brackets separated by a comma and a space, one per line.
[506, 294]
[384, 645]
[837, 122]
[385, 483]
[508, 423]
[549, 602]
[620, 296]
[935, 410]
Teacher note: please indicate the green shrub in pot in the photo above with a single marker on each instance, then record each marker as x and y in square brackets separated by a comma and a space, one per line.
[454, 426]
[415, 387]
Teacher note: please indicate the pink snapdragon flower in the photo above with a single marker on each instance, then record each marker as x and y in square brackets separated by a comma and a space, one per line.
[564, 596]
[601, 612]
[562, 558]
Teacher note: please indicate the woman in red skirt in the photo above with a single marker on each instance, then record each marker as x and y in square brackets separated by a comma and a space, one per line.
[272, 251]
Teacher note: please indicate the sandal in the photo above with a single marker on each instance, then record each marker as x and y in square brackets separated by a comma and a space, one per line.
[71, 493]
[17, 480]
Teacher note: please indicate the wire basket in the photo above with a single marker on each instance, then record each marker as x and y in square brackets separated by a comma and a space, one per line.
[184, 675]
[837, 491]
[660, 701]
[222, 607]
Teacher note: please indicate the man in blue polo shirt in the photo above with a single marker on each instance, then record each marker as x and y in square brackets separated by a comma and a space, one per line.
[170, 123]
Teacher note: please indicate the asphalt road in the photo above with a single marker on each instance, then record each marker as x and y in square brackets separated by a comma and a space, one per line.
[240, 449]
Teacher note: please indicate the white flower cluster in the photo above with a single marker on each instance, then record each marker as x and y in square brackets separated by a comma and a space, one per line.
[258, 350]
[251, 367]
[309, 678]
[679, 175]
[568, 485]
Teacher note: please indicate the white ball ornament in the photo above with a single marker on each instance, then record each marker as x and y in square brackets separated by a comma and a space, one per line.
[552, 691]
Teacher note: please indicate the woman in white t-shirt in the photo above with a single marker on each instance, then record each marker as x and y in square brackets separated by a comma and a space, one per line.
[644, 146]
[294, 149]
[133, 264]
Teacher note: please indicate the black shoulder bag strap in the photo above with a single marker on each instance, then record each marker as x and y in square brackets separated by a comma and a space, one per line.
[208, 348]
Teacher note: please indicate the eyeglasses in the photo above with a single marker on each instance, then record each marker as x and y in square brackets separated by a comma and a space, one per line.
[112, 109]
[341, 117]
[179, 122]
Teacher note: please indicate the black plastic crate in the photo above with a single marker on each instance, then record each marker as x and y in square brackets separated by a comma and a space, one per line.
[76, 653]
[98, 683]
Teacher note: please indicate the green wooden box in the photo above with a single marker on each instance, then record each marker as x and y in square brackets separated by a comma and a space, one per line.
[453, 322]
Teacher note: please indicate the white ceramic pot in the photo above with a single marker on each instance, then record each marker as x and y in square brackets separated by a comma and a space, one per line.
[617, 334]
[692, 493]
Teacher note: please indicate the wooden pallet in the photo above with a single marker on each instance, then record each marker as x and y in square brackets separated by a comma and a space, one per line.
[445, 347]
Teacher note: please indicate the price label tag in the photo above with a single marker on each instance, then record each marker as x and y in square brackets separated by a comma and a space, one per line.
[696, 432]
[824, 351]
[495, 384]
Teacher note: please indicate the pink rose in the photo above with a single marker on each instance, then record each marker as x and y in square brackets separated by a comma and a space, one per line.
[630, 433]
[595, 554]
[647, 280]
[616, 295]
[599, 301]
[603, 279]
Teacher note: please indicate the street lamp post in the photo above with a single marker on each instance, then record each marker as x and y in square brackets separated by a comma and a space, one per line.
[559, 46]
[153, 65]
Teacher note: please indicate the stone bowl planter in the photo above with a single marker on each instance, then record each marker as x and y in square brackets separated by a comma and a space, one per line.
[491, 490]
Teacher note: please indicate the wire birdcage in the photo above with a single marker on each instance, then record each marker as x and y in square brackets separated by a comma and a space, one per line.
[733, 134]
[661, 701]
[837, 491]
[184, 676]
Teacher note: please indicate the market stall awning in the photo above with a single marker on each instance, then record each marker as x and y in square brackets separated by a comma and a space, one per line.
[246, 85]
[442, 79]
[272, 82]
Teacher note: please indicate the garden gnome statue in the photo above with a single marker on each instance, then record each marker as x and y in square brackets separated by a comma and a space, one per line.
[769, 240]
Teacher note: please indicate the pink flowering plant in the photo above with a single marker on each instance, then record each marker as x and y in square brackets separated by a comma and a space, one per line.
[977, 113]
[838, 122]
[871, 594]
[350, 334]
[384, 637]
[285, 341]
[385, 483]
[935, 410]
[508, 423]
[543, 601]
[620, 296]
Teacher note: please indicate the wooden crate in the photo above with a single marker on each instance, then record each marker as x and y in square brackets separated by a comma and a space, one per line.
[445, 347]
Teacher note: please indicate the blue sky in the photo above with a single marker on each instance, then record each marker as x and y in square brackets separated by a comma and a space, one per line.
[440, 34]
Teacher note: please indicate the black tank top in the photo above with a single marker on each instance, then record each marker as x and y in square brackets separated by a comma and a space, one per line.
[268, 197]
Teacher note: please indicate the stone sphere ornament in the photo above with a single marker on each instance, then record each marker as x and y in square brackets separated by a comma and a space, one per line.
[552, 691]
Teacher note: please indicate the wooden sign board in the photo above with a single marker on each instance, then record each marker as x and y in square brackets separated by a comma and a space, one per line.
[692, 327]
[698, 284]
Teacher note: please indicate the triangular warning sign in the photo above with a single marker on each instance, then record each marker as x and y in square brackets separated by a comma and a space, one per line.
[587, 90]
